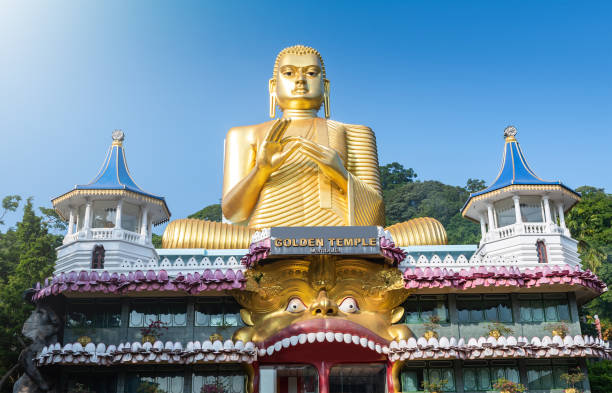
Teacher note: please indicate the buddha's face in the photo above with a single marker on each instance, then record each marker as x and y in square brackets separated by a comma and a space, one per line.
[299, 83]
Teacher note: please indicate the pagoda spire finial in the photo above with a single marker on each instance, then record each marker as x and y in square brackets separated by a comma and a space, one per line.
[509, 133]
[118, 137]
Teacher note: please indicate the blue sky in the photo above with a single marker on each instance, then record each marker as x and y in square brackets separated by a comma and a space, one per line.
[437, 81]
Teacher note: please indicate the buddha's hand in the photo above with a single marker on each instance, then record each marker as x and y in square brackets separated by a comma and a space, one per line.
[329, 160]
[270, 155]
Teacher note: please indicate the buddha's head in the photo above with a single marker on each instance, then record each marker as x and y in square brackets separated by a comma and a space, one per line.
[298, 81]
[350, 296]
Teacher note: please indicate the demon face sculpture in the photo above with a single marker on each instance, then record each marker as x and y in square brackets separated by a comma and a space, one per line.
[286, 298]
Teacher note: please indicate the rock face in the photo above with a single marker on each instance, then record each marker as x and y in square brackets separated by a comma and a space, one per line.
[41, 327]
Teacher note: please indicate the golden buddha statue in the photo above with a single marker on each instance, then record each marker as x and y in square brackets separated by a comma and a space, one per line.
[299, 170]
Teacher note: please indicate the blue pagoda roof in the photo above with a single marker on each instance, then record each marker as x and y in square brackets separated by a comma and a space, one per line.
[515, 170]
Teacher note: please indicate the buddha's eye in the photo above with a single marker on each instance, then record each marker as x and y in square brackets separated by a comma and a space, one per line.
[348, 305]
[288, 73]
[295, 305]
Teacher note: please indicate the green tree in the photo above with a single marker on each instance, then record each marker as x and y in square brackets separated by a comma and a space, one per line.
[10, 203]
[27, 257]
[432, 199]
[394, 174]
[600, 376]
[210, 213]
[474, 185]
[156, 240]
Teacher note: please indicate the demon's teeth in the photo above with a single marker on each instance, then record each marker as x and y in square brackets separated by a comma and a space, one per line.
[329, 336]
[262, 352]
[338, 337]
[312, 337]
[277, 346]
[320, 336]
[371, 344]
[378, 348]
[363, 342]
[270, 350]
[286, 342]
[302, 338]
[293, 340]
[355, 339]
[347, 338]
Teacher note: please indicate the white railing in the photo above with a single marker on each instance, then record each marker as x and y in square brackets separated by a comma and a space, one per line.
[184, 264]
[529, 228]
[106, 234]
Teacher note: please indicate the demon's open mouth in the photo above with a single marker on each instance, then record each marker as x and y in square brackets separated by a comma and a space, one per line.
[324, 329]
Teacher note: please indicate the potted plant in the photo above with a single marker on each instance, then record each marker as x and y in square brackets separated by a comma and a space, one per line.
[434, 386]
[213, 388]
[81, 329]
[432, 324]
[80, 388]
[506, 386]
[149, 387]
[559, 329]
[153, 331]
[215, 337]
[571, 378]
[497, 329]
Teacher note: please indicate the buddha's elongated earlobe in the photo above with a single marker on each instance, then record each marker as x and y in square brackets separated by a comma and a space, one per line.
[272, 89]
[326, 97]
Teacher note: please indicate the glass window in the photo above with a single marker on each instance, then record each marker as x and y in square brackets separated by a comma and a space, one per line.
[130, 217]
[231, 379]
[545, 375]
[80, 217]
[93, 314]
[154, 382]
[418, 308]
[295, 378]
[104, 214]
[505, 212]
[414, 374]
[481, 375]
[170, 313]
[349, 378]
[481, 308]
[223, 312]
[549, 307]
[94, 382]
[531, 208]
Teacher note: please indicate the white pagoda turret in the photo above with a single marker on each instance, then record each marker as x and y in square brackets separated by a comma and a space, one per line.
[109, 219]
[521, 215]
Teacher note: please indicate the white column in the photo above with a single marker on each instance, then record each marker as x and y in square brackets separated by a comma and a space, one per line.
[517, 209]
[547, 217]
[143, 223]
[483, 225]
[71, 222]
[561, 214]
[119, 214]
[149, 228]
[87, 218]
[491, 216]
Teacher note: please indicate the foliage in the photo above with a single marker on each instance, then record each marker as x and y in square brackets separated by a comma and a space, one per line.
[559, 327]
[10, 203]
[573, 377]
[501, 328]
[474, 185]
[433, 323]
[80, 388]
[53, 220]
[154, 328]
[394, 174]
[434, 386]
[600, 376]
[432, 199]
[149, 387]
[504, 385]
[27, 256]
[156, 240]
[213, 388]
[210, 213]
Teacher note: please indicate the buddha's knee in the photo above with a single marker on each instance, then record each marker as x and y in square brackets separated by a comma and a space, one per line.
[193, 233]
[418, 231]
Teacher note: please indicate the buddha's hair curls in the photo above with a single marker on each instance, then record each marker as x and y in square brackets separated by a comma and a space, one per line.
[298, 50]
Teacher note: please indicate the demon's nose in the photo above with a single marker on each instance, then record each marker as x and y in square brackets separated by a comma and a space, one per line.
[323, 306]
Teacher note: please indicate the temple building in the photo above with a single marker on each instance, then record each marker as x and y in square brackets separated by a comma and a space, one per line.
[349, 307]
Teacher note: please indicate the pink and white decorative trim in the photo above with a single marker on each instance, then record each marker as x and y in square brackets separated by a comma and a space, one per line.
[158, 352]
[501, 276]
[139, 281]
[501, 348]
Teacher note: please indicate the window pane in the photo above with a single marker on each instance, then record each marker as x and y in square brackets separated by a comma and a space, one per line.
[505, 312]
[104, 214]
[202, 318]
[550, 310]
[179, 314]
[490, 309]
[537, 311]
[476, 314]
[449, 375]
[533, 378]
[546, 380]
[464, 314]
[354, 378]
[130, 217]
[137, 316]
[483, 378]
[469, 379]
[531, 209]
[512, 374]
[505, 212]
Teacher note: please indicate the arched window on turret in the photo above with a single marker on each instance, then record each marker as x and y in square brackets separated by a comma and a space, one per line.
[97, 257]
[541, 249]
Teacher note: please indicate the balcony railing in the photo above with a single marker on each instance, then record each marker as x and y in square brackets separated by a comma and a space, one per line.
[106, 234]
[529, 228]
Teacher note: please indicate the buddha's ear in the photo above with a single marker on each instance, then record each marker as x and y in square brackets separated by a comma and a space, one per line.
[396, 314]
[246, 317]
[272, 89]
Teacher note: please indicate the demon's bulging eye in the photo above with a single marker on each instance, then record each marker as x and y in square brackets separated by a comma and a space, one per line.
[295, 305]
[348, 305]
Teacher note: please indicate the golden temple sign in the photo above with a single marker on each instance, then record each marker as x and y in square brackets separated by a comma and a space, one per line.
[342, 240]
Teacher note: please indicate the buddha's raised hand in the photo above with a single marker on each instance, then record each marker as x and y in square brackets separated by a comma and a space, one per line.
[270, 155]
